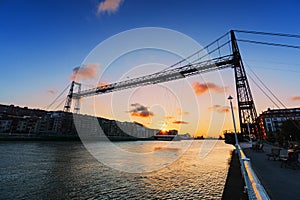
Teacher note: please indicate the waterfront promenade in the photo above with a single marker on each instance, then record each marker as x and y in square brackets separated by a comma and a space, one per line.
[280, 183]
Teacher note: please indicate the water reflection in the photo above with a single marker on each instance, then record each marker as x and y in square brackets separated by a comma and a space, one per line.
[138, 158]
[65, 170]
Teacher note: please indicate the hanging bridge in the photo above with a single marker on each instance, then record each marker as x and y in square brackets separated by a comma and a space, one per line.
[193, 65]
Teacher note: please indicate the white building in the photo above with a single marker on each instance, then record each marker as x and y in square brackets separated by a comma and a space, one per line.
[272, 119]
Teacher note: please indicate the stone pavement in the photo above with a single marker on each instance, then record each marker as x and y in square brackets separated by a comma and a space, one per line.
[280, 183]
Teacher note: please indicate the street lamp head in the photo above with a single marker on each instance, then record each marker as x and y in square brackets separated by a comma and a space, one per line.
[230, 97]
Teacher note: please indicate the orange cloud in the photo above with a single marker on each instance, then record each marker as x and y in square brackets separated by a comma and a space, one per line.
[169, 117]
[220, 109]
[109, 6]
[102, 84]
[140, 111]
[202, 88]
[86, 72]
[181, 113]
[51, 91]
[296, 98]
[180, 122]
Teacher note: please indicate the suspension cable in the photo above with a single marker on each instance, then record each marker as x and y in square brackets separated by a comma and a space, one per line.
[262, 90]
[269, 43]
[294, 123]
[56, 99]
[210, 52]
[267, 33]
[60, 103]
[197, 52]
[266, 87]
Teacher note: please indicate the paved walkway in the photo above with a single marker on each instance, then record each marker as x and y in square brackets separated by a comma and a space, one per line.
[280, 183]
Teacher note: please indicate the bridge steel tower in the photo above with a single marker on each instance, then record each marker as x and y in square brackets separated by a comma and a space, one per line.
[246, 107]
[72, 95]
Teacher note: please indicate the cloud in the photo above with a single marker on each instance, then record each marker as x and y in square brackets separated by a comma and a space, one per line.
[181, 113]
[169, 117]
[51, 91]
[296, 98]
[102, 84]
[86, 72]
[140, 111]
[108, 6]
[220, 109]
[180, 122]
[200, 88]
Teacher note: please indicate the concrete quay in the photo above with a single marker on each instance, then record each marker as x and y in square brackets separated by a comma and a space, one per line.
[280, 183]
[234, 186]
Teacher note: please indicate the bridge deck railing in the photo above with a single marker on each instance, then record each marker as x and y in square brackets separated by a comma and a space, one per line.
[254, 188]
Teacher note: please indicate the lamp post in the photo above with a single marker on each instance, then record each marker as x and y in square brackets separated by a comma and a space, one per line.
[249, 132]
[231, 107]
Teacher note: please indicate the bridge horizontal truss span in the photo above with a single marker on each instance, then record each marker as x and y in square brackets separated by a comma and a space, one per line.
[246, 107]
[163, 76]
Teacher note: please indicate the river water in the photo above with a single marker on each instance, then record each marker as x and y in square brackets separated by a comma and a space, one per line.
[66, 170]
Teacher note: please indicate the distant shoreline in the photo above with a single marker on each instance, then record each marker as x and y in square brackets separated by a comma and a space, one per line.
[37, 138]
[26, 137]
[49, 137]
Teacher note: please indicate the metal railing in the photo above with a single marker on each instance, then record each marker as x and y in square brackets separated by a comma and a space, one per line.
[253, 186]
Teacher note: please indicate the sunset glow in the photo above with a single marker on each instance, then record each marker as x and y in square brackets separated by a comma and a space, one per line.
[87, 43]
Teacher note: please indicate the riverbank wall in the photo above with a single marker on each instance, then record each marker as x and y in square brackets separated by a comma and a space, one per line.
[234, 186]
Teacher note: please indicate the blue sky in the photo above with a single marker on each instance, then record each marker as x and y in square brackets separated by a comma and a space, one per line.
[42, 41]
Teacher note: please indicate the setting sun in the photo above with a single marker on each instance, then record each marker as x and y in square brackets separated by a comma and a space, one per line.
[164, 130]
